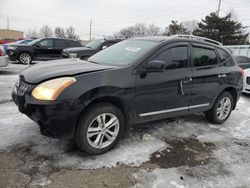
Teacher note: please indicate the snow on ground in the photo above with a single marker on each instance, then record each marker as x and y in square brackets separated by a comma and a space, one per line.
[7, 84]
[230, 166]
[17, 129]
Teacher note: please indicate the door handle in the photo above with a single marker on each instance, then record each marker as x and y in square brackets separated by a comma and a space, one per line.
[222, 75]
[185, 81]
[181, 87]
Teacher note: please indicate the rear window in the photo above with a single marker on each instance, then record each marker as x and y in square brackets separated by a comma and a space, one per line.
[60, 44]
[204, 56]
[225, 57]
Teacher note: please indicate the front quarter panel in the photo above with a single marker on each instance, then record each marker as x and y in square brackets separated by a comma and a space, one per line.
[115, 84]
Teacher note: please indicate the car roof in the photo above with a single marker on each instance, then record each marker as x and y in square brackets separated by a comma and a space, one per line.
[191, 38]
[58, 38]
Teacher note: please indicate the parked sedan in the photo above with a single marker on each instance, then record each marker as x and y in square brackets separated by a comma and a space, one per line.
[4, 60]
[244, 63]
[40, 49]
[90, 49]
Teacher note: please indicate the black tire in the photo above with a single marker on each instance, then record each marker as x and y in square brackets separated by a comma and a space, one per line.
[25, 58]
[86, 120]
[212, 115]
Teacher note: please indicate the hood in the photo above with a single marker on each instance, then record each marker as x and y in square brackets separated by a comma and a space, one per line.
[77, 49]
[52, 69]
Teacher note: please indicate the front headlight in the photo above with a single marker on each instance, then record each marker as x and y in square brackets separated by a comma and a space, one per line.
[51, 89]
[73, 55]
[12, 48]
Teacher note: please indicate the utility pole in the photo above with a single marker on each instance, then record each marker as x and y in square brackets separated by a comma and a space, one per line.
[218, 11]
[90, 30]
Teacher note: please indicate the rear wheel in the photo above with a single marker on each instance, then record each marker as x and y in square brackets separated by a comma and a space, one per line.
[221, 110]
[25, 58]
[99, 128]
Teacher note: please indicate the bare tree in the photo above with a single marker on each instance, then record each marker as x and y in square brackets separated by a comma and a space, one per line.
[71, 33]
[46, 31]
[139, 29]
[190, 25]
[59, 32]
[32, 34]
[153, 30]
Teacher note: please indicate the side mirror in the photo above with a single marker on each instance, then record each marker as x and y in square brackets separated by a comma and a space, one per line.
[103, 47]
[38, 45]
[153, 66]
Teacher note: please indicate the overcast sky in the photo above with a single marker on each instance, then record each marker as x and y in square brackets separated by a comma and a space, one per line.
[111, 15]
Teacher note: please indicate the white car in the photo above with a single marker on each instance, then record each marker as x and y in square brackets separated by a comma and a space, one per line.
[4, 59]
[246, 81]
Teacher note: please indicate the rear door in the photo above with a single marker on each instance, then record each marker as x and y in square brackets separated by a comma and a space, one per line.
[59, 45]
[208, 77]
[165, 94]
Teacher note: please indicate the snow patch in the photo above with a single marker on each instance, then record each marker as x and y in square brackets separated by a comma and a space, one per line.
[131, 151]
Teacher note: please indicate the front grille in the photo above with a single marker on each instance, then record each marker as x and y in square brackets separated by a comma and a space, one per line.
[248, 80]
[21, 87]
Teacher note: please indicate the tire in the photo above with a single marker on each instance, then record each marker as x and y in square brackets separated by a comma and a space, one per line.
[224, 102]
[90, 128]
[25, 58]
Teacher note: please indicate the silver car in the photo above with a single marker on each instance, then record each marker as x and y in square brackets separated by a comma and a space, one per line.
[4, 59]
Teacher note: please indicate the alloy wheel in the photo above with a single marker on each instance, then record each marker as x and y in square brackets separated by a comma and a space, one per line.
[25, 58]
[103, 130]
[224, 108]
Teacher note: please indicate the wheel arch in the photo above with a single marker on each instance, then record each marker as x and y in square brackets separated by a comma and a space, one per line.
[115, 101]
[233, 92]
[26, 51]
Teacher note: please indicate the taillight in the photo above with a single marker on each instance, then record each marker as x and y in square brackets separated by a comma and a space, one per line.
[242, 72]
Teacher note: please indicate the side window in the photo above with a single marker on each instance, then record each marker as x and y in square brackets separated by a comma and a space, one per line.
[204, 57]
[225, 57]
[60, 44]
[176, 57]
[46, 43]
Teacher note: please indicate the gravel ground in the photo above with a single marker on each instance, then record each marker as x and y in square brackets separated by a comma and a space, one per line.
[184, 152]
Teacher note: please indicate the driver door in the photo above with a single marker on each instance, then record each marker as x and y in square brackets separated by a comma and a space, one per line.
[165, 94]
[44, 49]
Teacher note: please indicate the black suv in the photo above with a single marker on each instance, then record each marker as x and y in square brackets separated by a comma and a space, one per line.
[134, 81]
[89, 49]
[40, 49]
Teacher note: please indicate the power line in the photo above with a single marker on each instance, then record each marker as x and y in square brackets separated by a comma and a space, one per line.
[159, 14]
[148, 14]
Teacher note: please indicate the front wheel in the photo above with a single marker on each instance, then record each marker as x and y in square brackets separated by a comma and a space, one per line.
[99, 128]
[25, 58]
[221, 110]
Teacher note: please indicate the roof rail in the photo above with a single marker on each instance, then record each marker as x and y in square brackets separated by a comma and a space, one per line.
[199, 38]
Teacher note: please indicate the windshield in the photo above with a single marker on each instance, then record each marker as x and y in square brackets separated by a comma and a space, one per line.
[94, 44]
[35, 41]
[23, 41]
[123, 53]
